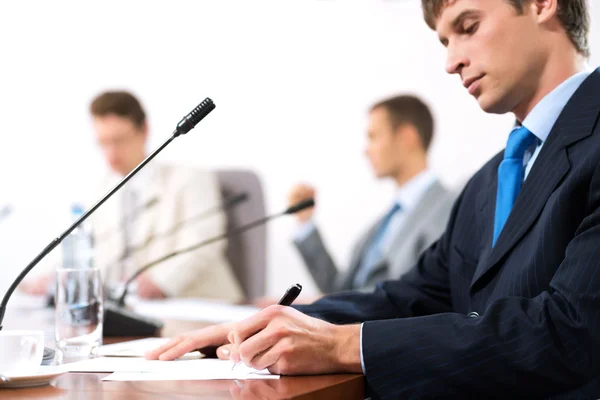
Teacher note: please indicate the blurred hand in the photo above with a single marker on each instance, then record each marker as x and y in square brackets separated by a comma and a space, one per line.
[147, 289]
[211, 336]
[288, 342]
[37, 286]
[298, 193]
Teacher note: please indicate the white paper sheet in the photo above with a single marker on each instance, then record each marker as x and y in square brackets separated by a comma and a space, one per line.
[137, 348]
[191, 310]
[185, 376]
[141, 369]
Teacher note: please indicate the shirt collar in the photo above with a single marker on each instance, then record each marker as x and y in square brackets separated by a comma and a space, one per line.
[545, 113]
[409, 194]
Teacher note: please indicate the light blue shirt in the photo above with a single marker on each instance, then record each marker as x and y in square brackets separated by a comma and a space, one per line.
[539, 121]
[407, 196]
[543, 116]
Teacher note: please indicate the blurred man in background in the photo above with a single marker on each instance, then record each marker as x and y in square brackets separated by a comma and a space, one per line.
[154, 214]
[400, 131]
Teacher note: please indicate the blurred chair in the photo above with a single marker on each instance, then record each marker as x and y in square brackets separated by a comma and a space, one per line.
[246, 252]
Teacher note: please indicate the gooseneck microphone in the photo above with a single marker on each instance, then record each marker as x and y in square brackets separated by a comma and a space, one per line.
[185, 125]
[232, 232]
[230, 202]
[119, 321]
[188, 122]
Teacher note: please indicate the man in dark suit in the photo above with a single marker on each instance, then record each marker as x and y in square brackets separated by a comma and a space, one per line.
[507, 303]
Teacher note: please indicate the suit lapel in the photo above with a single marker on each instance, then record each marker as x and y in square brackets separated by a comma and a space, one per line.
[485, 203]
[408, 228]
[575, 122]
[357, 255]
[413, 219]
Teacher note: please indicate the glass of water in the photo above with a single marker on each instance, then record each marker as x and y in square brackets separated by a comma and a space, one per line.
[79, 311]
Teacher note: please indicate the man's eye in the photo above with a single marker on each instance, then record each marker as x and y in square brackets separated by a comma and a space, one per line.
[470, 29]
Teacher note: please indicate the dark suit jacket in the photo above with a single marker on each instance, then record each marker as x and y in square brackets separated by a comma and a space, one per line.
[521, 320]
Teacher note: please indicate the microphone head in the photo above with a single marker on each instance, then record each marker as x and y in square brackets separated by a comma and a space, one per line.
[188, 122]
[308, 203]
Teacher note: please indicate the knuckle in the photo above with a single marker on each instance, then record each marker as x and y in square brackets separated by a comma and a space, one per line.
[254, 363]
[278, 333]
[245, 354]
[273, 310]
[287, 349]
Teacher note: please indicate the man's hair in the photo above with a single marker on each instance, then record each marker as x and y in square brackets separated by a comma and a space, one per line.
[120, 103]
[573, 15]
[409, 110]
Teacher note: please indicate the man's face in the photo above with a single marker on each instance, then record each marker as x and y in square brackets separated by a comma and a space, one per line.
[384, 146]
[496, 51]
[122, 142]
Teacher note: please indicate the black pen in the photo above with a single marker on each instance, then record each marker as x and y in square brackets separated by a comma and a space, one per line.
[290, 295]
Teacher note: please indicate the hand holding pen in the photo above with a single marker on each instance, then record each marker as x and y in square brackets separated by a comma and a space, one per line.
[286, 341]
[287, 299]
[281, 339]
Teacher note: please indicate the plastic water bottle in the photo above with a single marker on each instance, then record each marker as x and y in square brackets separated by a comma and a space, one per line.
[79, 305]
[77, 247]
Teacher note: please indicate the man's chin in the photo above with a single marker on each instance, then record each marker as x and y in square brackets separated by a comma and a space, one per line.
[491, 105]
[117, 170]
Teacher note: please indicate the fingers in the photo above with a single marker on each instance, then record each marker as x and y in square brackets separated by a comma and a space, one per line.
[147, 289]
[223, 352]
[258, 344]
[182, 347]
[300, 192]
[270, 358]
[249, 326]
[211, 336]
[154, 354]
[257, 335]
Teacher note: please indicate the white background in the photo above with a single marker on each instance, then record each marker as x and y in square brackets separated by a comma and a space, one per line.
[292, 81]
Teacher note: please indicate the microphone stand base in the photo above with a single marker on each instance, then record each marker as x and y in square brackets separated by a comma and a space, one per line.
[119, 321]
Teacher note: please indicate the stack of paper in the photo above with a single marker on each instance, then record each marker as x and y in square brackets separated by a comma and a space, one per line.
[139, 369]
[126, 363]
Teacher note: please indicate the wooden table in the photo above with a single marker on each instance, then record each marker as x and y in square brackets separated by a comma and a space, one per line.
[90, 385]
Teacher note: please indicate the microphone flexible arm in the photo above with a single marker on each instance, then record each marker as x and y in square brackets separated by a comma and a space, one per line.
[232, 232]
[185, 125]
[228, 203]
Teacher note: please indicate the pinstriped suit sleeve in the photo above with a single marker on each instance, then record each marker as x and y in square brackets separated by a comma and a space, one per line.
[540, 346]
[537, 346]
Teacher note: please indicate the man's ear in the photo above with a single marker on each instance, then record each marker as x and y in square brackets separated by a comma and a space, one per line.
[144, 129]
[544, 10]
[408, 136]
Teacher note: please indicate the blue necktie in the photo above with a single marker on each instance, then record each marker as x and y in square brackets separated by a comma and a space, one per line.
[373, 253]
[510, 176]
